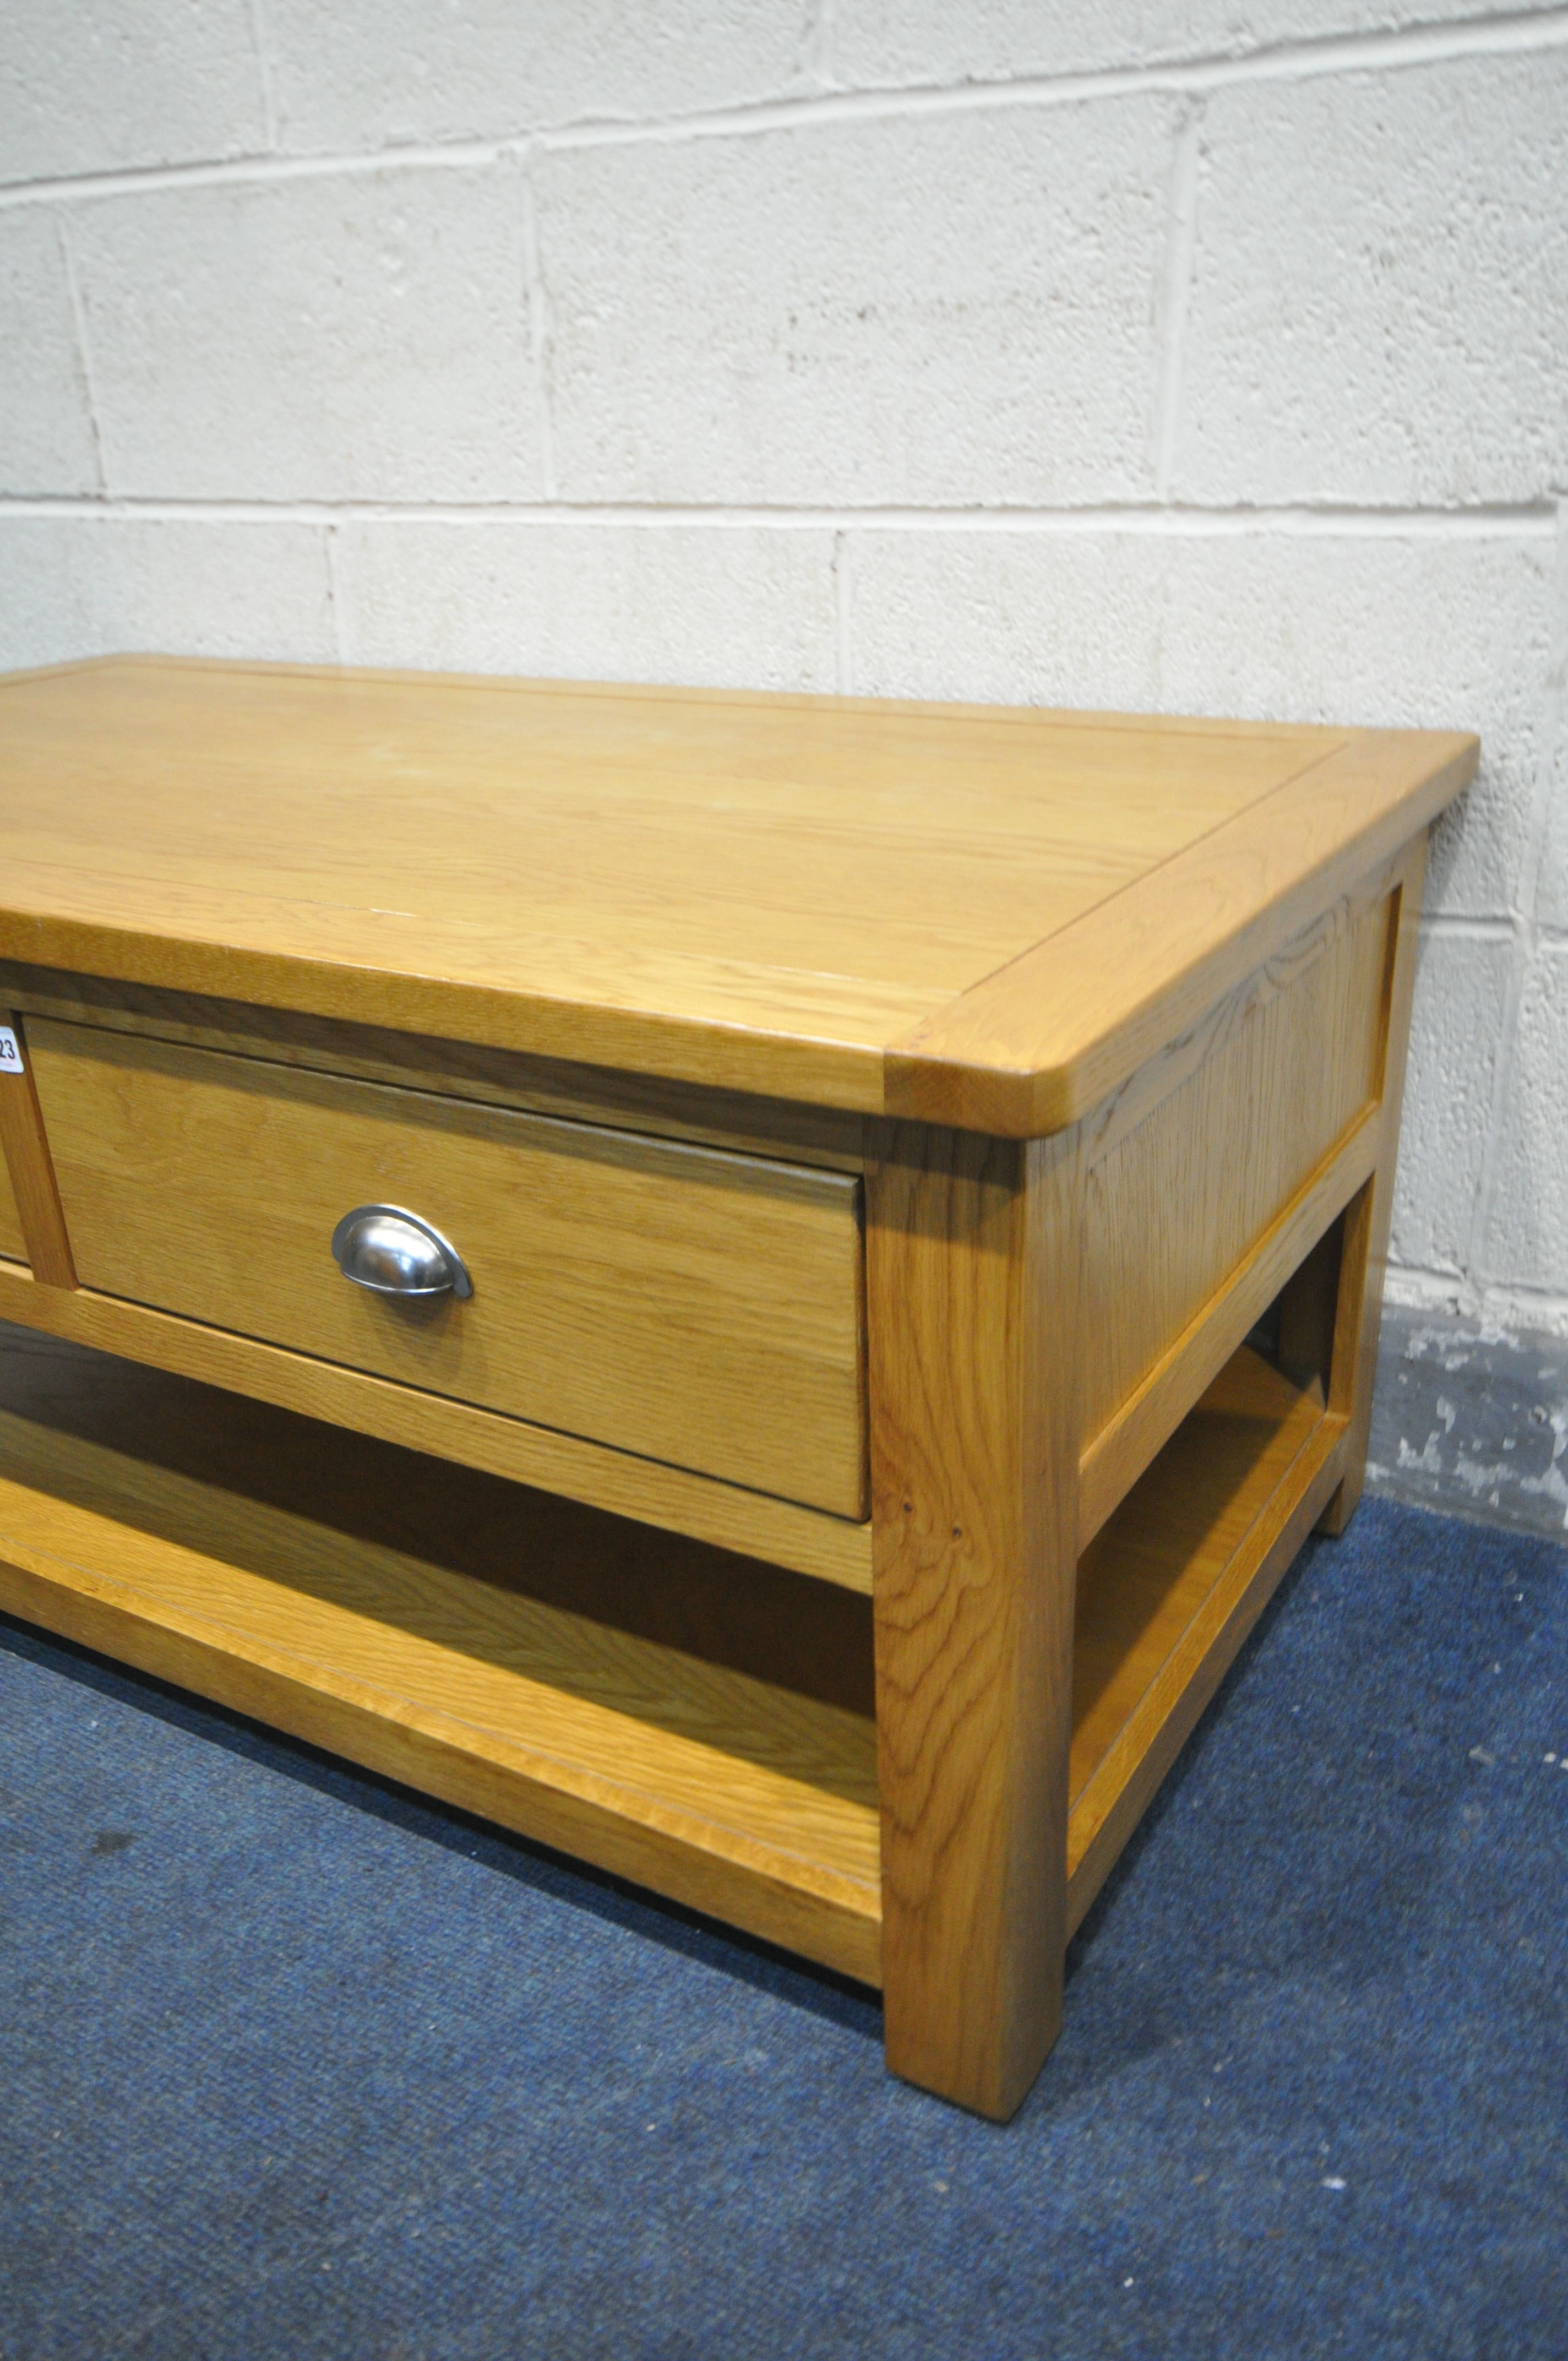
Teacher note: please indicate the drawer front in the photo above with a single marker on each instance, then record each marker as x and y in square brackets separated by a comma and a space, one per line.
[694, 1307]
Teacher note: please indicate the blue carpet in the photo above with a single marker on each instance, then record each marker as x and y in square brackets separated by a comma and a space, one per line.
[295, 2064]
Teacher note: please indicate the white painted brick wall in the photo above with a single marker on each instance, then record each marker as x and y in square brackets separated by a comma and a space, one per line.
[1210, 357]
[924, 42]
[358, 74]
[701, 604]
[1531, 1215]
[1450, 1089]
[46, 421]
[92, 86]
[957, 309]
[1380, 282]
[338, 337]
[89, 584]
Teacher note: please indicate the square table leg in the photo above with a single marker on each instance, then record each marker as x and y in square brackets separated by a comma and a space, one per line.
[1365, 1251]
[974, 1280]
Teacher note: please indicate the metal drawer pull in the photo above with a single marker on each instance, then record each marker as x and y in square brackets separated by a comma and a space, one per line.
[393, 1252]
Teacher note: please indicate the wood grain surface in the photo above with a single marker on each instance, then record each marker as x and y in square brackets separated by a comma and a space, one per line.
[736, 1774]
[1047, 1038]
[1172, 1586]
[1117, 1455]
[708, 1601]
[34, 1194]
[968, 914]
[777, 1531]
[649, 1000]
[693, 1307]
[973, 1277]
[13, 1244]
[328, 1583]
[467, 1070]
[1364, 1253]
[1175, 1204]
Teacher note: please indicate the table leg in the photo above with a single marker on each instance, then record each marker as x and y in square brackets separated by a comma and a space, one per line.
[974, 1280]
[1365, 1251]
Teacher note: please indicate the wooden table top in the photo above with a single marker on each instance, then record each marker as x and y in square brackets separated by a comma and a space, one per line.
[977, 915]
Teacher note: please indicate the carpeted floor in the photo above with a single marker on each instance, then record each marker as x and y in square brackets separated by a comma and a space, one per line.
[296, 2065]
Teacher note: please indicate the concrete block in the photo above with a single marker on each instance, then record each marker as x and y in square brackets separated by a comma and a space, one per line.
[46, 427]
[1527, 1241]
[1456, 1039]
[876, 42]
[1397, 632]
[1035, 618]
[95, 86]
[1548, 907]
[1379, 288]
[709, 607]
[338, 337]
[941, 309]
[81, 585]
[356, 76]
[1552, 884]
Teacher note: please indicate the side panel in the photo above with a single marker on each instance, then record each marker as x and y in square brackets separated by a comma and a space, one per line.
[1255, 1127]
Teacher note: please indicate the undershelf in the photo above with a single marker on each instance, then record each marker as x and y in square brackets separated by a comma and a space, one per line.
[678, 1714]
[1171, 1584]
[411, 1620]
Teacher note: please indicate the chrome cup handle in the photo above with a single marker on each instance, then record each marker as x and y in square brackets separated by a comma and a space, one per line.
[393, 1252]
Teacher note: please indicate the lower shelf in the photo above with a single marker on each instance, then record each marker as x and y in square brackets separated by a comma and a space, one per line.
[684, 1716]
[572, 1675]
[1173, 1581]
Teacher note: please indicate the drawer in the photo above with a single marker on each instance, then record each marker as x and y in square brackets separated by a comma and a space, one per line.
[696, 1307]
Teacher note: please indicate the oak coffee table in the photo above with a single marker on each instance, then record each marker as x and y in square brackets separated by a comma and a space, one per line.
[757, 1288]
